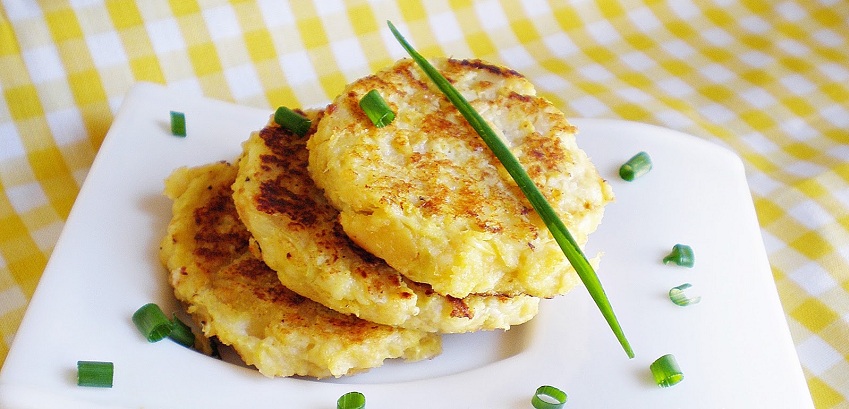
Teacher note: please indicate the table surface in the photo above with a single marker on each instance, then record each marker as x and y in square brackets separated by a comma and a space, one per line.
[770, 81]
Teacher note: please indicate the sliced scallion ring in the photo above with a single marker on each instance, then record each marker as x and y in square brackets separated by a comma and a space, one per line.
[561, 234]
[637, 166]
[291, 120]
[376, 108]
[181, 333]
[95, 373]
[548, 397]
[152, 322]
[666, 371]
[677, 295]
[351, 400]
[178, 123]
[681, 255]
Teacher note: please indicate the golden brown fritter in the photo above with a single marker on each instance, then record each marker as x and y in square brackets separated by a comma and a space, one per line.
[235, 297]
[299, 236]
[426, 195]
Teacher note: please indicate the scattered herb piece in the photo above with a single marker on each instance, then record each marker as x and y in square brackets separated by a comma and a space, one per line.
[178, 123]
[548, 397]
[677, 295]
[377, 109]
[561, 234]
[666, 371]
[181, 333]
[95, 373]
[637, 166]
[681, 255]
[292, 121]
[152, 322]
[351, 400]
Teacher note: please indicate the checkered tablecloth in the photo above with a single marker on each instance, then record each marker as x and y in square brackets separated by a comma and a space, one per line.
[770, 80]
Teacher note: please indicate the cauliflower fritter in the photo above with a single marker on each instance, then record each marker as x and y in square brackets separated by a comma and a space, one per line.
[426, 195]
[235, 297]
[298, 235]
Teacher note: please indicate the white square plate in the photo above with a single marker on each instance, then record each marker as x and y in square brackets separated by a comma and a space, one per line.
[734, 347]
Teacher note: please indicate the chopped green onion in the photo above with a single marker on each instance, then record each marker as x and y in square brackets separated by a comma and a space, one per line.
[567, 243]
[681, 255]
[351, 400]
[292, 121]
[95, 373]
[676, 294]
[152, 322]
[637, 166]
[666, 371]
[178, 123]
[548, 397]
[181, 333]
[377, 109]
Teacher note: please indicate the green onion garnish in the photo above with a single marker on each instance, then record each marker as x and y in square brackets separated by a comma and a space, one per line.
[181, 333]
[152, 322]
[377, 109]
[351, 400]
[637, 166]
[677, 295]
[178, 123]
[292, 121]
[548, 397]
[681, 255]
[95, 373]
[666, 371]
[540, 204]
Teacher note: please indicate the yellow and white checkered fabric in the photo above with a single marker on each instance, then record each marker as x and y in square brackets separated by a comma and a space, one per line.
[770, 80]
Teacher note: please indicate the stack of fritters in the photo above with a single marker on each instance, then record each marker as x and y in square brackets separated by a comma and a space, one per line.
[352, 244]
[298, 234]
[235, 297]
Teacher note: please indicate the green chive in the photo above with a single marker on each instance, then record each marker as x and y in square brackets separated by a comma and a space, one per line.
[95, 373]
[677, 295]
[181, 333]
[376, 109]
[292, 121]
[351, 400]
[152, 322]
[681, 255]
[637, 166]
[178, 123]
[548, 397]
[540, 204]
[666, 371]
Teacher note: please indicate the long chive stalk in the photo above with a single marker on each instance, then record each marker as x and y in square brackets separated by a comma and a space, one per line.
[561, 234]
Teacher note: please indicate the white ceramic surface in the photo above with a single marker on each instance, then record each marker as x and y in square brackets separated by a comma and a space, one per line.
[734, 347]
